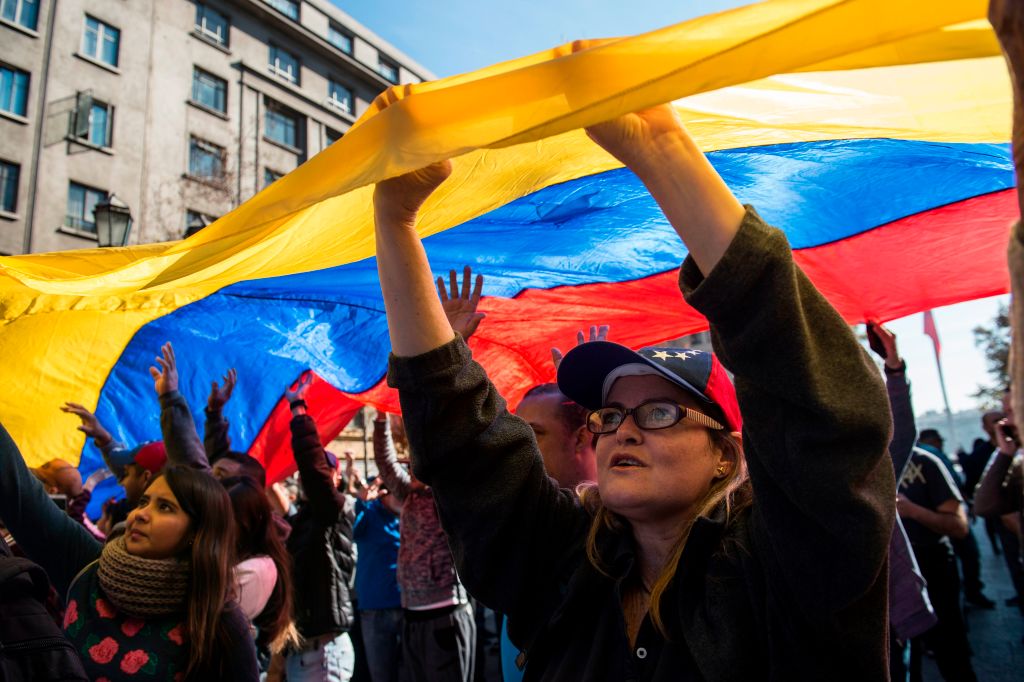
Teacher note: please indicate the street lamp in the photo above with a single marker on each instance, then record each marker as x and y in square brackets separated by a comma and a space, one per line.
[113, 221]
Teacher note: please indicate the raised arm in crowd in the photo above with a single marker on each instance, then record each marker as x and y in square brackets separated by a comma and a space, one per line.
[667, 561]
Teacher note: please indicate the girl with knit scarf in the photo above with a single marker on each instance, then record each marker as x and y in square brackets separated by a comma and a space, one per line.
[154, 602]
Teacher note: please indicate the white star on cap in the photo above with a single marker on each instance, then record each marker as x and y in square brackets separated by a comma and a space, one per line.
[662, 355]
[682, 355]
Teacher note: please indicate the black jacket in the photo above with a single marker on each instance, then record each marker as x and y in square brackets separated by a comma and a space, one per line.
[321, 541]
[792, 588]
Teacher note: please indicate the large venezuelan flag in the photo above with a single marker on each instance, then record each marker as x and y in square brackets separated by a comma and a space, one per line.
[874, 132]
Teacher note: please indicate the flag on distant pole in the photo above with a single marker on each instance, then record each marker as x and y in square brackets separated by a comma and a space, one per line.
[932, 331]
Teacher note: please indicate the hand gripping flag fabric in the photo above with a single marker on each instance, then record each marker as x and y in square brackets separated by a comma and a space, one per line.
[873, 132]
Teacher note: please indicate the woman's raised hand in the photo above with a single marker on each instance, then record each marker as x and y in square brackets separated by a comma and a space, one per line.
[220, 394]
[396, 201]
[634, 139]
[165, 379]
[460, 308]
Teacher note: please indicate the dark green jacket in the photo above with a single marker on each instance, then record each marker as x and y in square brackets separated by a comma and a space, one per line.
[793, 588]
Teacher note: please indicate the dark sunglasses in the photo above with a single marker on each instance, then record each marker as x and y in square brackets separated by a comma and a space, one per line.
[649, 416]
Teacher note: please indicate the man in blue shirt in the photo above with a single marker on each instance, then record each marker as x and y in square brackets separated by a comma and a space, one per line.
[379, 602]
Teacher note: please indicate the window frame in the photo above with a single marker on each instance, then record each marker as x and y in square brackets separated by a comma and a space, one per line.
[386, 63]
[267, 172]
[334, 29]
[15, 72]
[206, 217]
[273, 64]
[109, 132]
[19, 6]
[271, 106]
[222, 82]
[348, 108]
[201, 29]
[15, 183]
[194, 142]
[280, 5]
[80, 224]
[75, 125]
[101, 33]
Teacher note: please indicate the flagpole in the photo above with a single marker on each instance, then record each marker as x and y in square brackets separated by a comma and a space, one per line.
[945, 399]
[932, 331]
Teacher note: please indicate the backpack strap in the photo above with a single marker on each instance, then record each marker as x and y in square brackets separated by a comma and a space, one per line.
[10, 567]
[71, 585]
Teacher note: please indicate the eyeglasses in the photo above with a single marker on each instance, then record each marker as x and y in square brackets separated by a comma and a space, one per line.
[649, 416]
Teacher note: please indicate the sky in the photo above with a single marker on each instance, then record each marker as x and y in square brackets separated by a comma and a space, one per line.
[456, 36]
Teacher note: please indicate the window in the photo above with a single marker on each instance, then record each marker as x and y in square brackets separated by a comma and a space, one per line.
[269, 176]
[209, 90]
[101, 41]
[9, 186]
[22, 12]
[284, 64]
[282, 125]
[81, 202]
[195, 221]
[387, 69]
[332, 136]
[93, 121]
[289, 8]
[339, 96]
[13, 90]
[212, 24]
[339, 38]
[205, 160]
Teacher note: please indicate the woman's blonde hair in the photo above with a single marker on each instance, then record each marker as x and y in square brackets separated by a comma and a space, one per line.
[732, 489]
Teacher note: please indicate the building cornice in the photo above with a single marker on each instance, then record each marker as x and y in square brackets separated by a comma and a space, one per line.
[293, 90]
[318, 43]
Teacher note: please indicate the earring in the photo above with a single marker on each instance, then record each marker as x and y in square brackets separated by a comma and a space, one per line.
[720, 471]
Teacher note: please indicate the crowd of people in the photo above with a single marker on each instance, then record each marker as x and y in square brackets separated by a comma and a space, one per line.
[650, 516]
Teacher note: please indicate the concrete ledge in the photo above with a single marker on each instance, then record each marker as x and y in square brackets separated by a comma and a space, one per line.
[202, 107]
[96, 62]
[18, 27]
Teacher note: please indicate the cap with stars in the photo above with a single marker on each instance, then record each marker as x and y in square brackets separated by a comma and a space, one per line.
[587, 373]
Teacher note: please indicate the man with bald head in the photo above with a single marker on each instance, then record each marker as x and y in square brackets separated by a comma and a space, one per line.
[560, 426]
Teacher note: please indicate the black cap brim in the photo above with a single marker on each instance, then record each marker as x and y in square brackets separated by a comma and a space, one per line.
[582, 372]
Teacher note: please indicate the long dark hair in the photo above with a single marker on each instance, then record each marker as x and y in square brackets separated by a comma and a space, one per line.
[258, 535]
[211, 551]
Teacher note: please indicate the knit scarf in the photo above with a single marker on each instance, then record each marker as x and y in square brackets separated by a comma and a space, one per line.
[143, 587]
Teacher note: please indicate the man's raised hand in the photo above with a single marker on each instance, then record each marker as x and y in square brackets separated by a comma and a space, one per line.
[165, 379]
[597, 333]
[888, 352]
[221, 394]
[297, 391]
[90, 425]
[460, 307]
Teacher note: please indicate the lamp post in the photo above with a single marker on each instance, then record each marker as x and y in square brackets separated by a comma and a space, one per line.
[113, 221]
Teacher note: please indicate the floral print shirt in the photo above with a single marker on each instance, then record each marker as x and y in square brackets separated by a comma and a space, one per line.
[115, 646]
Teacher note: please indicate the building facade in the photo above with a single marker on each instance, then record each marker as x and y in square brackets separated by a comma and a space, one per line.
[182, 108]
